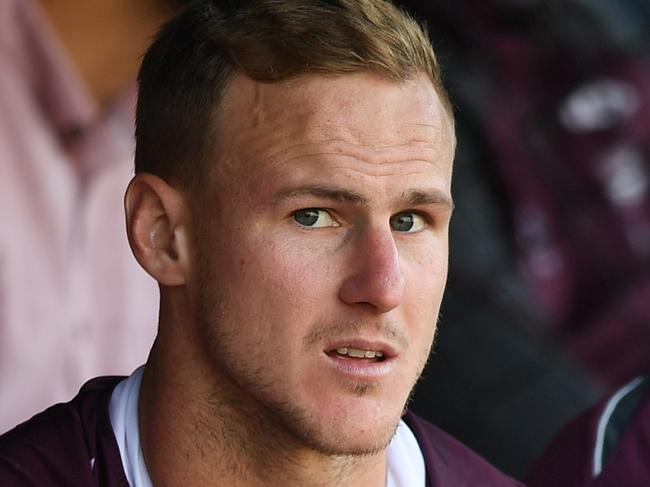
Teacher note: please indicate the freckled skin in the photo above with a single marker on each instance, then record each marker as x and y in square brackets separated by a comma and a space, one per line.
[361, 133]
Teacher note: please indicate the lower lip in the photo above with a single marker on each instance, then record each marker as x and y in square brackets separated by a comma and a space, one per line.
[360, 369]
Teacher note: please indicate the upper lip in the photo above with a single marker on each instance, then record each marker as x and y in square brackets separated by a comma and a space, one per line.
[386, 348]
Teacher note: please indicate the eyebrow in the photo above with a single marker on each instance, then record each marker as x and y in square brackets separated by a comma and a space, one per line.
[434, 197]
[408, 198]
[334, 194]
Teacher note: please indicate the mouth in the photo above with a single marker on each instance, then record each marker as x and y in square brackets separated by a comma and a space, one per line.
[357, 354]
[362, 360]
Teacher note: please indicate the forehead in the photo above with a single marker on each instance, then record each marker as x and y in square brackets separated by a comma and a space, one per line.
[367, 102]
[364, 118]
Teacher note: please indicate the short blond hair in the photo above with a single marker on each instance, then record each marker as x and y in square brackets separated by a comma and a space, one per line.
[185, 72]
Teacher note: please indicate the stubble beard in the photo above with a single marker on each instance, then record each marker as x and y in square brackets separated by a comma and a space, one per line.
[261, 422]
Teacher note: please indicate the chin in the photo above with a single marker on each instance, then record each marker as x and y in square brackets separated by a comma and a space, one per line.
[350, 443]
[353, 431]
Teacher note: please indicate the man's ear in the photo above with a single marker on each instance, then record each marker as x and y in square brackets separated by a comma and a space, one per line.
[157, 221]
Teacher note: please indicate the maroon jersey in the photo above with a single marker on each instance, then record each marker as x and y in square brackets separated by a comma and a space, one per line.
[72, 444]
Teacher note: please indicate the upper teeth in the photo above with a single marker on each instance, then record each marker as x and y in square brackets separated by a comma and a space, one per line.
[357, 353]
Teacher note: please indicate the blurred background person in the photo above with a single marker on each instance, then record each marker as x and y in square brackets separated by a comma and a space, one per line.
[548, 302]
[73, 302]
[607, 446]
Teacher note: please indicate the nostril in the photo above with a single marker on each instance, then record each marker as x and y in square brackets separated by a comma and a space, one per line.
[382, 293]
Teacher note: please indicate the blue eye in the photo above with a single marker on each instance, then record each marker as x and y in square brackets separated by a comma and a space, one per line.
[407, 222]
[314, 218]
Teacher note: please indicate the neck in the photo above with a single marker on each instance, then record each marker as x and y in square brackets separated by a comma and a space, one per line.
[197, 428]
[104, 39]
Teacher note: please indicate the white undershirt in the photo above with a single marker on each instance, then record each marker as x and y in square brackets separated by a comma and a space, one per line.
[405, 460]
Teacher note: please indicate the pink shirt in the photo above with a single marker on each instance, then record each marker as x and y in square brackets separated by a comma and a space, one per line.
[73, 301]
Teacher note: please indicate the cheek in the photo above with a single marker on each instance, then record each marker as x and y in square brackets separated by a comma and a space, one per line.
[425, 269]
[285, 285]
[426, 277]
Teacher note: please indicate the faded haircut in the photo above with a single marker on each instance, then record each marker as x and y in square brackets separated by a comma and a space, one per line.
[186, 71]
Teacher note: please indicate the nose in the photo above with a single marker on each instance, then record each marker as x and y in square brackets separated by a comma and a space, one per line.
[375, 275]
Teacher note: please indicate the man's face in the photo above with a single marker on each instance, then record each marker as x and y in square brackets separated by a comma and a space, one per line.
[322, 253]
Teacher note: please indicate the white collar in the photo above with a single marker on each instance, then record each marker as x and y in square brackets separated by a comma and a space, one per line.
[405, 461]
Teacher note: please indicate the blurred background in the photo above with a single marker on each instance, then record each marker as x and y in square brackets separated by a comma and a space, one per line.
[73, 301]
[548, 301]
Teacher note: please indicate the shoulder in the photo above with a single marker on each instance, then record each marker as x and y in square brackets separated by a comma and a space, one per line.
[609, 441]
[449, 462]
[67, 444]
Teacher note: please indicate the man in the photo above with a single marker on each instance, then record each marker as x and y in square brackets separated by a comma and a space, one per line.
[292, 199]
